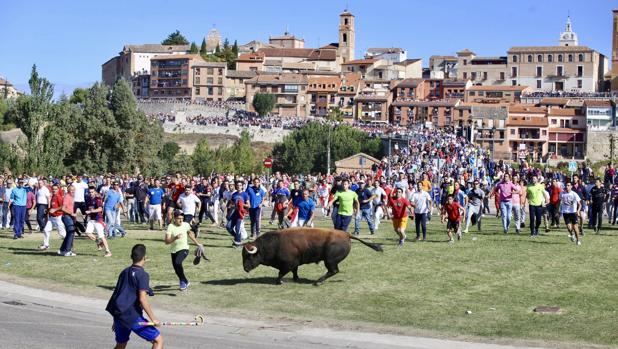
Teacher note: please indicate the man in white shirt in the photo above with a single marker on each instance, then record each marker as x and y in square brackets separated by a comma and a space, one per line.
[570, 204]
[189, 203]
[43, 199]
[421, 201]
[80, 196]
[379, 197]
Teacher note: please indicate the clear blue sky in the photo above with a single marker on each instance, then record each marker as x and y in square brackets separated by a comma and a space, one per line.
[69, 40]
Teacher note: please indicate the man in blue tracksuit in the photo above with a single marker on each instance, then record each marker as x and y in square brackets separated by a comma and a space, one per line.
[256, 199]
[19, 197]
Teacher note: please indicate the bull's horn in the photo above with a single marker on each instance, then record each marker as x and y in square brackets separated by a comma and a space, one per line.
[252, 250]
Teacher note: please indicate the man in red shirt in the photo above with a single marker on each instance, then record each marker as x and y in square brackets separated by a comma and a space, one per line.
[55, 217]
[554, 203]
[452, 212]
[175, 188]
[398, 205]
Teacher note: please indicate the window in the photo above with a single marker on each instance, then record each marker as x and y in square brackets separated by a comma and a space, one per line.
[575, 122]
[220, 90]
[501, 76]
[210, 91]
[544, 132]
[570, 58]
[514, 59]
[579, 83]
[209, 71]
[529, 58]
[559, 58]
[197, 91]
[512, 131]
[209, 81]
[197, 71]
[554, 122]
[539, 71]
[220, 81]
[539, 58]
[559, 70]
[580, 70]
[580, 57]
[465, 75]
[220, 71]
[514, 82]
[473, 76]
[471, 93]
[550, 58]
[538, 84]
[484, 75]
[345, 21]
[465, 62]
[197, 80]
[345, 38]
[513, 72]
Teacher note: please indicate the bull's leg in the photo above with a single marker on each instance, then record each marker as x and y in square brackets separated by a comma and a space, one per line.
[295, 273]
[332, 270]
[282, 273]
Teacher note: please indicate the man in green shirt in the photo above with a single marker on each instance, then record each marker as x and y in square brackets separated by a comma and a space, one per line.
[536, 195]
[176, 237]
[348, 206]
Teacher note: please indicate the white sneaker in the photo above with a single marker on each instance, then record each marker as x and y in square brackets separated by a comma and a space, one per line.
[451, 241]
[579, 243]
[572, 237]
[70, 254]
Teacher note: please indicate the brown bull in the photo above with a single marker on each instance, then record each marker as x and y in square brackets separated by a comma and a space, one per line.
[287, 249]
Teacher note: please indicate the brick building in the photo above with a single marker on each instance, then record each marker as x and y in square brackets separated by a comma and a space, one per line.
[290, 91]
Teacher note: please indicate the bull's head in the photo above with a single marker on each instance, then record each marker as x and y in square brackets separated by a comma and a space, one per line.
[250, 257]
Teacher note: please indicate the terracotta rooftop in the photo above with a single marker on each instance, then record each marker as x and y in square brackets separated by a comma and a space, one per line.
[563, 112]
[409, 83]
[156, 48]
[276, 79]
[360, 61]
[438, 103]
[534, 121]
[597, 103]
[554, 101]
[307, 53]
[241, 74]
[181, 56]
[251, 57]
[526, 109]
[327, 81]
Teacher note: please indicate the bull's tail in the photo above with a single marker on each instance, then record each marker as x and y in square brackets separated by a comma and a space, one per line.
[376, 247]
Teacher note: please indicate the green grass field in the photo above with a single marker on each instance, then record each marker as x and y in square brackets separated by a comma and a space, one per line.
[425, 286]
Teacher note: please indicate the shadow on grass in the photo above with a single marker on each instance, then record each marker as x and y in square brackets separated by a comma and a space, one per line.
[30, 251]
[259, 281]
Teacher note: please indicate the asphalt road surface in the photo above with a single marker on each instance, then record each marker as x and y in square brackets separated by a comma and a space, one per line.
[34, 318]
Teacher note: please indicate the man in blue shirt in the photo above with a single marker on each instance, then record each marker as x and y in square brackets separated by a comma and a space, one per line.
[306, 207]
[130, 299]
[113, 200]
[154, 200]
[18, 201]
[256, 199]
[365, 197]
[281, 197]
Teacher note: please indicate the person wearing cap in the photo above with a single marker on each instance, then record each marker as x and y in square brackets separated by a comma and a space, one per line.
[177, 235]
[18, 201]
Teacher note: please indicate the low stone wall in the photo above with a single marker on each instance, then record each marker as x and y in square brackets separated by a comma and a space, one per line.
[274, 135]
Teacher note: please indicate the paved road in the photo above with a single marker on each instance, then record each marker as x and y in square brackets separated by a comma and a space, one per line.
[33, 318]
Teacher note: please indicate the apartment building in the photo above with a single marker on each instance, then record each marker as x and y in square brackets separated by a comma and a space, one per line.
[209, 80]
[481, 70]
[567, 133]
[489, 123]
[172, 76]
[443, 67]
[322, 93]
[557, 68]
[251, 61]
[290, 91]
[135, 60]
[527, 135]
[389, 54]
[235, 83]
[599, 114]
[348, 90]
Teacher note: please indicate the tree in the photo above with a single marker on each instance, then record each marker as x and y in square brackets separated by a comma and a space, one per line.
[304, 150]
[203, 50]
[242, 154]
[79, 96]
[335, 114]
[175, 38]
[31, 115]
[235, 49]
[263, 103]
[218, 51]
[193, 48]
[169, 151]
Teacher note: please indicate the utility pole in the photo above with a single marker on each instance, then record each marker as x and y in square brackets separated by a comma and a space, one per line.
[328, 152]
